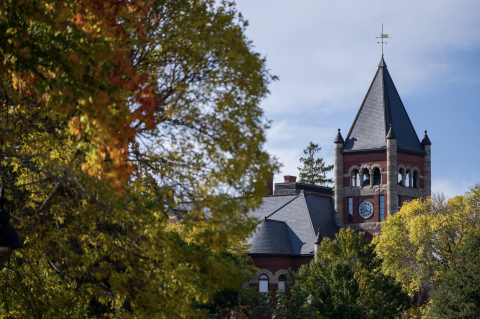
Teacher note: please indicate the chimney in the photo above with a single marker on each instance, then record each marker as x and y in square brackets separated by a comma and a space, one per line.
[290, 179]
[269, 183]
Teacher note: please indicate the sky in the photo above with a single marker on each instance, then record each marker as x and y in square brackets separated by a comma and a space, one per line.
[326, 55]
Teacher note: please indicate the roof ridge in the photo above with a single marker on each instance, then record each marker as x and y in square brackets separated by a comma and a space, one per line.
[283, 206]
[361, 106]
[310, 216]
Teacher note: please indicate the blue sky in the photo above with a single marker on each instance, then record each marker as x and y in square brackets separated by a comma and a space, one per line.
[326, 54]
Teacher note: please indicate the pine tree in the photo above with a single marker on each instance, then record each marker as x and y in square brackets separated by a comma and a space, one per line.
[314, 170]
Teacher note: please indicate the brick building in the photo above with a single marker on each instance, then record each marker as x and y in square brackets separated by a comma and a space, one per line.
[289, 223]
[379, 165]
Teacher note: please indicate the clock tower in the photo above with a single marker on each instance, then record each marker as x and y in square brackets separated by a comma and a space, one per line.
[381, 163]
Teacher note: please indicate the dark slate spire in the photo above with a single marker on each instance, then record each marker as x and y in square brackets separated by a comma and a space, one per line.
[381, 107]
[339, 138]
[319, 237]
[382, 63]
[391, 134]
[426, 140]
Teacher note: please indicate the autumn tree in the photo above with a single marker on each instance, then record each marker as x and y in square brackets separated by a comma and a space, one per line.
[314, 169]
[423, 240]
[111, 110]
[346, 281]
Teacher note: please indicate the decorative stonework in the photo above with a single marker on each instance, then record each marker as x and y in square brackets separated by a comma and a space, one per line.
[365, 190]
[378, 166]
[271, 278]
[351, 169]
[364, 226]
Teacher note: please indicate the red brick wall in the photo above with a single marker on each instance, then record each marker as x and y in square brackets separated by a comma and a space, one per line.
[275, 264]
[350, 160]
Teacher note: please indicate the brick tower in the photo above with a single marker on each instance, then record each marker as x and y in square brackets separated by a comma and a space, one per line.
[381, 163]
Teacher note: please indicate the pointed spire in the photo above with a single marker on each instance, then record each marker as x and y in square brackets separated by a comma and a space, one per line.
[381, 107]
[319, 237]
[426, 140]
[382, 63]
[391, 134]
[339, 138]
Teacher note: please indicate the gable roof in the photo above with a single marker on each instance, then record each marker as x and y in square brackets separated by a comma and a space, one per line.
[302, 215]
[381, 107]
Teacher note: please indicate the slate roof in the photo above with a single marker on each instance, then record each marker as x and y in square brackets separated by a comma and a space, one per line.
[381, 107]
[271, 238]
[302, 215]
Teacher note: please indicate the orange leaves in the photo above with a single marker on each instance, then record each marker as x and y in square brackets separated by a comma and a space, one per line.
[85, 72]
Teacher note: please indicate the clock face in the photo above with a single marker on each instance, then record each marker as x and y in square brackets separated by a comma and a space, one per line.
[365, 209]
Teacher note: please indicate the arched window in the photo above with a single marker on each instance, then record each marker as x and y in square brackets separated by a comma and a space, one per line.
[263, 283]
[377, 178]
[365, 178]
[282, 282]
[355, 178]
[400, 177]
[407, 179]
[415, 179]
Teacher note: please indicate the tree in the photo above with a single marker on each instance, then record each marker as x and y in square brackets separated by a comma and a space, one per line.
[110, 109]
[314, 170]
[422, 241]
[346, 281]
[458, 292]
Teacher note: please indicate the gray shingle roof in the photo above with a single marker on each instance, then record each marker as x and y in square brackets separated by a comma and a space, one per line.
[302, 216]
[271, 237]
[381, 107]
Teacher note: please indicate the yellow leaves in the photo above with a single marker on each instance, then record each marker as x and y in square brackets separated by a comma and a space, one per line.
[423, 239]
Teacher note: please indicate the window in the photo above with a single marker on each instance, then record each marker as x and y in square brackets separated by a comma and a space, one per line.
[377, 178]
[350, 210]
[400, 177]
[415, 179]
[355, 178]
[263, 283]
[366, 181]
[382, 210]
[407, 179]
[282, 282]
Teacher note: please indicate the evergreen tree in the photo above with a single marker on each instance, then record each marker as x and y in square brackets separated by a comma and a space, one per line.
[314, 170]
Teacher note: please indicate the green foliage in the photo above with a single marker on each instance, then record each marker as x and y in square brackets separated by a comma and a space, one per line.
[76, 136]
[458, 292]
[347, 282]
[422, 241]
[296, 303]
[314, 170]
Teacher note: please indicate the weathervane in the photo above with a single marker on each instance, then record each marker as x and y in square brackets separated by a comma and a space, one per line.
[382, 36]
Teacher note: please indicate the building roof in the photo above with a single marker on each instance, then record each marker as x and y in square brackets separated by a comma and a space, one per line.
[302, 215]
[381, 107]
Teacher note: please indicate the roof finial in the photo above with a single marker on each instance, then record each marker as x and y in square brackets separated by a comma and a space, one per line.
[383, 36]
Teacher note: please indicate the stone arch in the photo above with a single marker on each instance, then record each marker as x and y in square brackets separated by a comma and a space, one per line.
[378, 166]
[365, 170]
[271, 277]
[354, 175]
[408, 176]
[352, 168]
[279, 273]
[416, 177]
